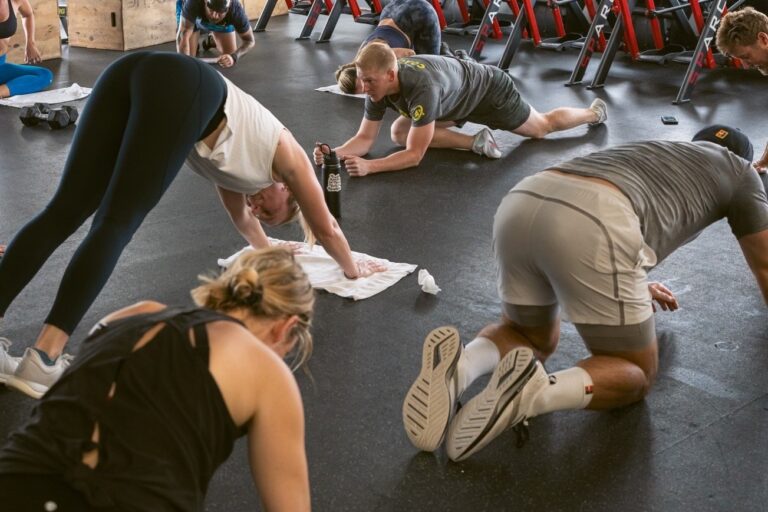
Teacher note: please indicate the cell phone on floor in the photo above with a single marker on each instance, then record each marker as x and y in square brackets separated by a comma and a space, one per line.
[669, 119]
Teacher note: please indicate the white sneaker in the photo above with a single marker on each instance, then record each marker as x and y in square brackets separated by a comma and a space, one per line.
[485, 144]
[504, 403]
[8, 363]
[430, 403]
[33, 377]
[601, 109]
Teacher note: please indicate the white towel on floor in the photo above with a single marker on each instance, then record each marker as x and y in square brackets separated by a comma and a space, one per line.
[334, 89]
[325, 273]
[71, 93]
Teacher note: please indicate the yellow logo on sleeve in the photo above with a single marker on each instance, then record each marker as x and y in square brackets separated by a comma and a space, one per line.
[414, 63]
[417, 112]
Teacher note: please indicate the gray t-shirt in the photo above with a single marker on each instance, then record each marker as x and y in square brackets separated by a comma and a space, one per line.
[679, 188]
[435, 88]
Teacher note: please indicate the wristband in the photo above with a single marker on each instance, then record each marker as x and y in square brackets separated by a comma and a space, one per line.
[234, 57]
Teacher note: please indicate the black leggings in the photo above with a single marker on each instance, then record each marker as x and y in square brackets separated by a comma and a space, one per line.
[143, 118]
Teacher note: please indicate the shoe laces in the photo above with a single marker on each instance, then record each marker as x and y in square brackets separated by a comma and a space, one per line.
[5, 343]
[66, 359]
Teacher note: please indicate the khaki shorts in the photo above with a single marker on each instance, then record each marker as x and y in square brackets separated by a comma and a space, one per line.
[561, 240]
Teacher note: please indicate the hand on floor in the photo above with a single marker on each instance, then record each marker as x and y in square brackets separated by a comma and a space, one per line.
[357, 166]
[663, 296]
[367, 267]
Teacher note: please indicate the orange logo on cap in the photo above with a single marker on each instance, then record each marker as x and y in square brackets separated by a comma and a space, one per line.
[721, 134]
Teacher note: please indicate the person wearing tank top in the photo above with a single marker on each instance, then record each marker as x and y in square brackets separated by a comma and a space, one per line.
[118, 171]
[580, 237]
[158, 395]
[14, 78]
[409, 27]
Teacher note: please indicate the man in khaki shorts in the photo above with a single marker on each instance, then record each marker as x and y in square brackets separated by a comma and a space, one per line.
[580, 238]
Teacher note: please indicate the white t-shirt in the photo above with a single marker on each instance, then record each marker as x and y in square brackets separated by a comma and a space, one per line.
[241, 159]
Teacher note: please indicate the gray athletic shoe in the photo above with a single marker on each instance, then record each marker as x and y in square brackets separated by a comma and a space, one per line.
[485, 144]
[601, 109]
[33, 377]
[430, 403]
[504, 403]
[8, 363]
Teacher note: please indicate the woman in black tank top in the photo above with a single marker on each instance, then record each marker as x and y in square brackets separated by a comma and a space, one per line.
[157, 397]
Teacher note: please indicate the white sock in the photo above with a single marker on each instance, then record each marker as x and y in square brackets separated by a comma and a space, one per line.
[568, 389]
[480, 357]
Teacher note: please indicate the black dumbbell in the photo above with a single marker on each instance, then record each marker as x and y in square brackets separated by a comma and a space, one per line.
[31, 116]
[43, 113]
[61, 118]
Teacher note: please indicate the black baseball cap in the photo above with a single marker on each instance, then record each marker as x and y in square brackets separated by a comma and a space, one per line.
[727, 136]
[218, 5]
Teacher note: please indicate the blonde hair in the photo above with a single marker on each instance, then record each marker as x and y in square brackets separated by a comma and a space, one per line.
[740, 28]
[346, 77]
[376, 57]
[269, 283]
[297, 216]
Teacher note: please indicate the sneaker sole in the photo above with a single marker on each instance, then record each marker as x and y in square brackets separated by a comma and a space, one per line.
[477, 423]
[428, 407]
[25, 388]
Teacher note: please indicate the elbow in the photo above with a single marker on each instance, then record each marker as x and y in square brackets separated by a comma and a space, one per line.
[415, 158]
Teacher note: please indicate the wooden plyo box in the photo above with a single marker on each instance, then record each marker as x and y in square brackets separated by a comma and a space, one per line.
[253, 8]
[121, 24]
[47, 34]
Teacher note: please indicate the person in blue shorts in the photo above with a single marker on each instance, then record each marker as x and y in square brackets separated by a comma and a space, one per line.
[222, 19]
[14, 78]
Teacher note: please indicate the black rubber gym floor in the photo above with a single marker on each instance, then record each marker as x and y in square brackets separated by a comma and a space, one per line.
[698, 442]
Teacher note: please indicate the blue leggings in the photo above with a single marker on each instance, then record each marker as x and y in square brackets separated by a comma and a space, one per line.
[131, 140]
[23, 79]
[418, 20]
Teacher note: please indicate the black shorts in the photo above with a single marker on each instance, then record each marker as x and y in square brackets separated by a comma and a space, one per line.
[502, 108]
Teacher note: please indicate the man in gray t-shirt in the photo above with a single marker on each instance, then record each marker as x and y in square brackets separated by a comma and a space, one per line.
[432, 93]
[580, 237]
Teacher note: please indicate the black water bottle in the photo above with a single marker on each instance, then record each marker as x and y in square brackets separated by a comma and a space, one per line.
[331, 180]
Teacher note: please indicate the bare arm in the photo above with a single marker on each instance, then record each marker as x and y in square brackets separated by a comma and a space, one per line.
[755, 249]
[276, 442]
[184, 36]
[226, 61]
[31, 53]
[241, 216]
[762, 164]
[293, 167]
[246, 43]
[363, 140]
[416, 145]
[403, 52]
